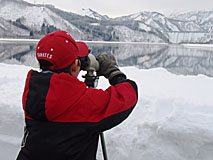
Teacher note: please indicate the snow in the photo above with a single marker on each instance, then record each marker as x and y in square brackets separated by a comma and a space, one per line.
[173, 118]
[39, 15]
[203, 46]
[90, 13]
[126, 34]
[186, 37]
[199, 16]
[6, 26]
[173, 27]
[94, 24]
[144, 27]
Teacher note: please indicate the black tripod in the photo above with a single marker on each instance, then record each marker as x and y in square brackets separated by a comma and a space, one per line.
[91, 81]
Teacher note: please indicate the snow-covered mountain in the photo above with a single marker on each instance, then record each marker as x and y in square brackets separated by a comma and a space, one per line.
[167, 28]
[35, 17]
[93, 14]
[204, 18]
[153, 19]
[9, 29]
[159, 21]
[191, 27]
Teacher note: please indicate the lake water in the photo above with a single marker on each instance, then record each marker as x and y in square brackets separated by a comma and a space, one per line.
[175, 58]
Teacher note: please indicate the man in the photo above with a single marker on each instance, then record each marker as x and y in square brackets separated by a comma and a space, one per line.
[63, 117]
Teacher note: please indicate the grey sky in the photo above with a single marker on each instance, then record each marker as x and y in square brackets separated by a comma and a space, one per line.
[114, 8]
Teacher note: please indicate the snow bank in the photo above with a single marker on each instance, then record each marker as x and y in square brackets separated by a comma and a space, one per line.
[200, 46]
[172, 120]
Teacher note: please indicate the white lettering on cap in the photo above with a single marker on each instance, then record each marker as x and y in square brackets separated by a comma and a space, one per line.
[44, 55]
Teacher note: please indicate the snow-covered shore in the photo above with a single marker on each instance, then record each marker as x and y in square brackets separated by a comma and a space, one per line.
[199, 46]
[172, 120]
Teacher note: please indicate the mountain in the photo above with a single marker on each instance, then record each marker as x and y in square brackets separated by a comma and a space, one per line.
[189, 27]
[36, 18]
[168, 28]
[90, 13]
[161, 22]
[203, 18]
[9, 29]
[105, 29]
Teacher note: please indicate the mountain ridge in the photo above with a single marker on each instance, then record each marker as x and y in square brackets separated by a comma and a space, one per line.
[38, 20]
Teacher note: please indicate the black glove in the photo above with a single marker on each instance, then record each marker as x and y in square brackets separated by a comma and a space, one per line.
[109, 68]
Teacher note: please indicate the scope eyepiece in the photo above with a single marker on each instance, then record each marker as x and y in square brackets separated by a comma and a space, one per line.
[89, 63]
[84, 63]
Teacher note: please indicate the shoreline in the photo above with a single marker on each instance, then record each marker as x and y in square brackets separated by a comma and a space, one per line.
[24, 40]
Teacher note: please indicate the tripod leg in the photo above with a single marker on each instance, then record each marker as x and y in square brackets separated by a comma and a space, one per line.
[103, 146]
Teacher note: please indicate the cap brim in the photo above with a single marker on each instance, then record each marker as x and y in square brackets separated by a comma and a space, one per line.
[83, 49]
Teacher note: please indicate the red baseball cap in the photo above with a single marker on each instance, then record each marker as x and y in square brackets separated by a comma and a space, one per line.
[60, 49]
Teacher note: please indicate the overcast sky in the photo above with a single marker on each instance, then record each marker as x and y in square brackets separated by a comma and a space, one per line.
[115, 8]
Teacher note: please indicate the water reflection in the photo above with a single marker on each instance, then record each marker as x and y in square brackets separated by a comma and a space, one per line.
[175, 58]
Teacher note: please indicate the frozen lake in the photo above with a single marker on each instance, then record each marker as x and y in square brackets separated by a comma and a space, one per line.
[178, 59]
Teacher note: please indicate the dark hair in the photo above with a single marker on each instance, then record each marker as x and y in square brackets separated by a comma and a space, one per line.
[44, 66]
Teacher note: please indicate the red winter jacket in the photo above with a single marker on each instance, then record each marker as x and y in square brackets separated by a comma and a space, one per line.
[64, 117]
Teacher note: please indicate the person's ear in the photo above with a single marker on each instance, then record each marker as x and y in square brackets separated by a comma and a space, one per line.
[75, 68]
